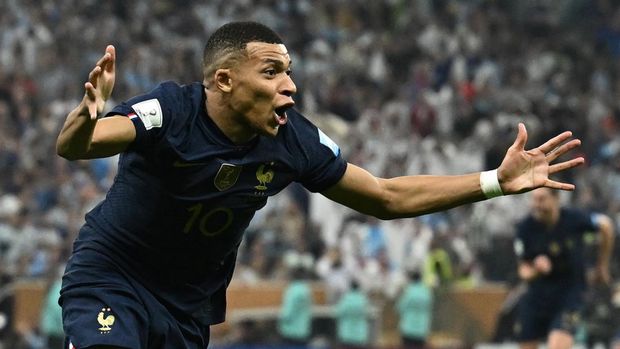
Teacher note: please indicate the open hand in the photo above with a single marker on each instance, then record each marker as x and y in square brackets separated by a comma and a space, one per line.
[100, 83]
[523, 170]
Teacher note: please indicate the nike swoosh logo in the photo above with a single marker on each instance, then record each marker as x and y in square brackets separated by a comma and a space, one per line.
[187, 164]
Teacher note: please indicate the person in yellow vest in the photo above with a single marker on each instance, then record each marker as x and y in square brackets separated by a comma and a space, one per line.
[438, 266]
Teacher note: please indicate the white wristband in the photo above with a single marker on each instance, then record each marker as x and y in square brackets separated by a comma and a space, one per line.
[490, 184]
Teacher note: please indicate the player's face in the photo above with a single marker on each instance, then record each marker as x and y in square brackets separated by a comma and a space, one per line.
[544, 204]
[262, 87]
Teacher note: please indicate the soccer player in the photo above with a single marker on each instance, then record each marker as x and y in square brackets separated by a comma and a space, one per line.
[150, 266]
[549, 245]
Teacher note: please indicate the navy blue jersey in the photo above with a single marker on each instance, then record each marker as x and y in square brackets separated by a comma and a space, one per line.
[184, 194]
[563, 244]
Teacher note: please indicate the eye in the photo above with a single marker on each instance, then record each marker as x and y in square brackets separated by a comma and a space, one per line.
[271, 72]
[289, 72]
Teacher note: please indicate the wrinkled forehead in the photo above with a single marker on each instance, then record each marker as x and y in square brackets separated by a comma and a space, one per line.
[263, 50]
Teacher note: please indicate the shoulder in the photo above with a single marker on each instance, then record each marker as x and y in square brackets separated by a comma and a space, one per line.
[297, 122]
[570, 211]
[166, 89]
[526, 225]
[171, 91]
[574, 215]
[306, 132]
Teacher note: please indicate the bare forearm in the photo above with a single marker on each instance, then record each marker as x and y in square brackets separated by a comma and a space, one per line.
[418, 195]
[606, 243]
[76, 135]
[406, 196]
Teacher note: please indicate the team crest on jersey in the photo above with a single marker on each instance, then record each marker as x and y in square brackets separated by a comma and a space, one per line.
[555, 248]
[226, 176]
[570, 320]
[106, 320]
[263, 177]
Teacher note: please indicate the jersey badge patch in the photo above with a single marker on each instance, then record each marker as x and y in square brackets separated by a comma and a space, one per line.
[226, 176]
[263, 177]
[149, 112]
[555, 248]
[106, 320]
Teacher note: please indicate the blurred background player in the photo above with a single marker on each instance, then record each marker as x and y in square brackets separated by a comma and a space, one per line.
[550, 247]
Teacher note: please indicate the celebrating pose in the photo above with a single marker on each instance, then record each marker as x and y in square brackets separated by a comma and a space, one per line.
[151, 264]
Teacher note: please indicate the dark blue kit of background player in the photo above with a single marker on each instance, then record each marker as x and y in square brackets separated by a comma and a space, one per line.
[153, 260]
[554, 301]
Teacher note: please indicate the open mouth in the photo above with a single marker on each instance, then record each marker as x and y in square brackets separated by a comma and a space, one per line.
[280, 114]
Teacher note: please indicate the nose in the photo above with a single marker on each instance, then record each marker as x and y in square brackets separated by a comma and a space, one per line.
[288, 87]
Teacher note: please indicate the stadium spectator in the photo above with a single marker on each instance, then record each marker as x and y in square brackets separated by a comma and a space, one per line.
[352, 315]
[415, 310]
[334, 275]
[51, 314]
[295, 318]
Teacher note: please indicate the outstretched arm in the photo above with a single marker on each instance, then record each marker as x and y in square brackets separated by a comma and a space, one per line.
[83, 136]
[606, 246]
[408, 196]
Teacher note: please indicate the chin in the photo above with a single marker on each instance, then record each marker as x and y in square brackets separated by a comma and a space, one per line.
[270, 132]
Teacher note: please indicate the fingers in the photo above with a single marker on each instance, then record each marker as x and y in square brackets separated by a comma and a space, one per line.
[110, 51]
[554, 142]
[561, 167]
[555, 168]
[559, 185]
[94, 75]
[557, 152]
[106, 57]
[565, 165]
[90, 91]
[106, 62]
[521, 139]
[91, 100]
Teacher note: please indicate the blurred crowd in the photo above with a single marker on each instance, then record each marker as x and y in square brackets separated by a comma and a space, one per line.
[404, 87]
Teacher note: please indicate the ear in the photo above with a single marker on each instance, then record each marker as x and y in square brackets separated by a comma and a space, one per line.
[223, 80]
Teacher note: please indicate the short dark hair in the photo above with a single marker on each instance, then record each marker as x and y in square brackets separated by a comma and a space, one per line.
[227, 44]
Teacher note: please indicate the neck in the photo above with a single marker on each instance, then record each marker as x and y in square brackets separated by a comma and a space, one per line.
[226, 119]
[552, 218]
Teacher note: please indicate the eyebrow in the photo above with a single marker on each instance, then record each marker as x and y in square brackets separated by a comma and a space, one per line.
[277, 62]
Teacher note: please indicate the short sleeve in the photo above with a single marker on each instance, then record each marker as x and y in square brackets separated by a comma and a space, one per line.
[149, 113]
[589, 221]
[325, 165]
